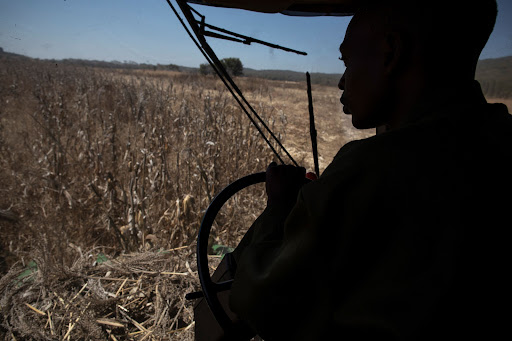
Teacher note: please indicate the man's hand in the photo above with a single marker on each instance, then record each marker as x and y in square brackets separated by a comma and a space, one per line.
[283, 183]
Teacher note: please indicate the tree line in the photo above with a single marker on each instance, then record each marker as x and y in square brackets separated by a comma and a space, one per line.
[494, 75]
[233, 66]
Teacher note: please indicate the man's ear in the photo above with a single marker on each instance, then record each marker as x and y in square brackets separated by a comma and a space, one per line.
[394, 49]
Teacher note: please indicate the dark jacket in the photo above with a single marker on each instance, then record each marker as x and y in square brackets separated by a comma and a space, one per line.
[404, 236]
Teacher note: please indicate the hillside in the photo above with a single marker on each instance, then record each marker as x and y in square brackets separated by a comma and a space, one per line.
[495, 75]
[329, 79]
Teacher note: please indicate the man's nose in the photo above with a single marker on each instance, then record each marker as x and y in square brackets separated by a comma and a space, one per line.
[341, 83]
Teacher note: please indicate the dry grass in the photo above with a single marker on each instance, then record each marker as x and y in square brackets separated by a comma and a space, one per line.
[133, 297]
[103, 160]
[117, 164]
[123, 164]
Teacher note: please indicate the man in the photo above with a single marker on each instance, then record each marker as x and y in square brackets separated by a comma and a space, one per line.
[404, 236]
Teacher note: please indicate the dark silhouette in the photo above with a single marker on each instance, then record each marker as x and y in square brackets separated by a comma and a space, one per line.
[405, 235]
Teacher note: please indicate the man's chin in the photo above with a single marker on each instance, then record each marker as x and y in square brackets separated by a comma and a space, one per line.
[359, 122]
[362, 124]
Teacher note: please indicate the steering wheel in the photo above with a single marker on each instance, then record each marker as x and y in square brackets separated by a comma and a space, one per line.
[210, 288]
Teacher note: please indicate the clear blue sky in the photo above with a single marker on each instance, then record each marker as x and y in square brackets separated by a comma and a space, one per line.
[147, 31]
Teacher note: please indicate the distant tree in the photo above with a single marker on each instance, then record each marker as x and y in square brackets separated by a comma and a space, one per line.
[233, 66]
[205, 69]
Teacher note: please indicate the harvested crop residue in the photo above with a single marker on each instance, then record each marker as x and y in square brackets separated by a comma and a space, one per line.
[133, 297]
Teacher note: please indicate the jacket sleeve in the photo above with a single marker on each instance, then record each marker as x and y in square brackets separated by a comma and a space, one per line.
[270, 269]
[274, 289]
[364, 252]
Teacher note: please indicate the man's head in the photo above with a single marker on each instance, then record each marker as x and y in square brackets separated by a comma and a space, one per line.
[397, 50]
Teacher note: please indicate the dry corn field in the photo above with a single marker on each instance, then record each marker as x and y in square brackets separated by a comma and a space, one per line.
[104, 177]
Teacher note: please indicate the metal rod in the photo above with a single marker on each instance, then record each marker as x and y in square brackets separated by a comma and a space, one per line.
[223, 74]
[212, 58]
[221, 36]
[249, 40]
[312, 129]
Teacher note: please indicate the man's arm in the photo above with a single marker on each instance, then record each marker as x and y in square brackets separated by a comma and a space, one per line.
[270, 270]
[352, 257]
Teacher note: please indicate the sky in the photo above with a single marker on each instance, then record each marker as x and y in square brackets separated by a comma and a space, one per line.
[146, 31]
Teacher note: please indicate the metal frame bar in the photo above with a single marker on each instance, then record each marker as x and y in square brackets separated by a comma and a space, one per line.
[199, 39]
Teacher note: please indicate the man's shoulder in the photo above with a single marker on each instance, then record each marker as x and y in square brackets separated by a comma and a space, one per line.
[479, 121]
[439, 138]
[496, 119]
[369, 152]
